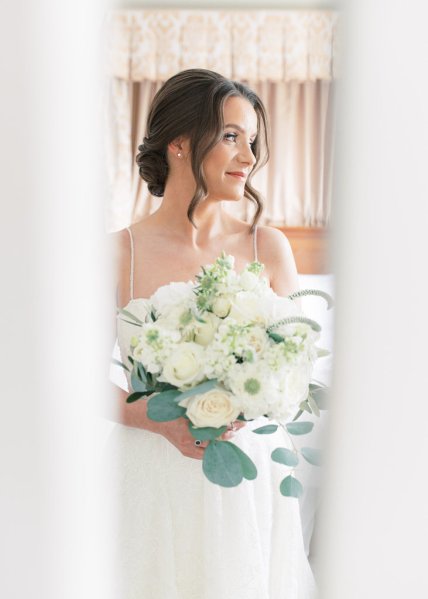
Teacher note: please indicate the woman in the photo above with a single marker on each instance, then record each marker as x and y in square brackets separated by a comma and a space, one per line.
[180, 536]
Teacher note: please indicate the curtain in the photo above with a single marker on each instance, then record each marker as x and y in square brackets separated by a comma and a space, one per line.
[285, 56]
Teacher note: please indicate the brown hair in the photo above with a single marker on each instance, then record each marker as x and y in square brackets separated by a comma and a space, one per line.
[190, 104]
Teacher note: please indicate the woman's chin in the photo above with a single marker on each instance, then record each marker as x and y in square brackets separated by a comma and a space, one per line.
[226, 197]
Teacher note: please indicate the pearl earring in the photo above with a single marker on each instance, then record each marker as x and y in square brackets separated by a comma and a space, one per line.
[179, 154]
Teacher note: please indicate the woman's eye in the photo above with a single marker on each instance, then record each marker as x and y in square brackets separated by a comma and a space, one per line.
[230, 135]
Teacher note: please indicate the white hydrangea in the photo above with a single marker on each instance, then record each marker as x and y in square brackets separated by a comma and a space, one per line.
[153, 346]
[292, 390]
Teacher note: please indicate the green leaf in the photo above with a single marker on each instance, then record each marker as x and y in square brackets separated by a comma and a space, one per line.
[202, 388]
[131, 316]
[137, 383]
[322, 353]
[313, 405]
[249, 469]
[285, 456]
[141, 373]
[135, 324]
[299, 413]
[299, 428]
[312, 386]
[118, 363]
[138, 395]
[162, 406]
[320, 396]
[266, 430]
[305, 406]
[311, 455]
[163, 386]
[291, 487]
[207, 433]
[275, 337]
[222, 465]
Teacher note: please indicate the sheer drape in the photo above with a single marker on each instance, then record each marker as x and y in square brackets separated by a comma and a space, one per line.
[296, 183]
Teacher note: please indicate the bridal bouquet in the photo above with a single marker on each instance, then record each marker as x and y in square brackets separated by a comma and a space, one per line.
[227, 348]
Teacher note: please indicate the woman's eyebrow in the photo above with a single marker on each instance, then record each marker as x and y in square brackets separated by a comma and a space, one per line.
[239, 128]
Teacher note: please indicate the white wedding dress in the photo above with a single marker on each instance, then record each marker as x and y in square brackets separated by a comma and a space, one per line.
[182, 537]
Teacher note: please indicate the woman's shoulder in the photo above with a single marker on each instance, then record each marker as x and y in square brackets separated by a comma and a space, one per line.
[275, 252]
[120, 243]
[272, 243]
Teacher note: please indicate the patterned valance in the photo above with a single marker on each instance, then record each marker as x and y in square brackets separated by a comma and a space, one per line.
[251, 45]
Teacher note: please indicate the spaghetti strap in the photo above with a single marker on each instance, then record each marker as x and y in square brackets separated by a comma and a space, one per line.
[255, 243]
[131, 274]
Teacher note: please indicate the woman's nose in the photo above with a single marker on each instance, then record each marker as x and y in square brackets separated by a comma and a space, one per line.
[246, 155]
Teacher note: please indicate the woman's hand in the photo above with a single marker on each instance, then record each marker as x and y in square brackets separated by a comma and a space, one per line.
[177, 432]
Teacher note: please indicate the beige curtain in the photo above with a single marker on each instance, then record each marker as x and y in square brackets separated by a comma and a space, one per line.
[294, 79]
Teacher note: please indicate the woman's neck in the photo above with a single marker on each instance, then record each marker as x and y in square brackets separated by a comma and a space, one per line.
[210, 218]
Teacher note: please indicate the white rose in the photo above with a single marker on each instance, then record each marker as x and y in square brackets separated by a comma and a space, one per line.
[221, 307]
[247, 307]
[205, 331]
[184, 366]
[215, 408]
[248, 280]
[168, 296]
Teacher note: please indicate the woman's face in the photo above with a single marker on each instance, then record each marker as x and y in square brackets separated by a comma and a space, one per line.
[228, 164]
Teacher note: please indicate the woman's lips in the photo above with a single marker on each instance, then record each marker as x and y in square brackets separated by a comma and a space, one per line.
[237, 176]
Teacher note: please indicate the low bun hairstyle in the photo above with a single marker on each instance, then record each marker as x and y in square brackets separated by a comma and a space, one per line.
[190, 104]
[152, 166]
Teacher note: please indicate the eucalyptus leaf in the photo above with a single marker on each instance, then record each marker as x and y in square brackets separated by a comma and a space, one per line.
[275, 337]
[161, 386]
[130, 315]
[322, 353]
[305, 406]
[311, 455]
[222, 464]
[291, 487]
[163, 408]
[313, 405]
[299, 428]
[299, 413]
[141, 373]
[318, 384]
[249, 469]
[266, 430]
[135, 324]
[320, 396]
[242, 417]
[137, 383]
[118, 363]
[285, 456]
[202, 388]
[207, 433]
[137, 395]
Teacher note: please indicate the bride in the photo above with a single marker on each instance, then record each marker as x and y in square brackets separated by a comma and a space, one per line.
[180, 536]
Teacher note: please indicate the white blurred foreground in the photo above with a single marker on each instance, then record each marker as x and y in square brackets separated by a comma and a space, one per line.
[55, 317]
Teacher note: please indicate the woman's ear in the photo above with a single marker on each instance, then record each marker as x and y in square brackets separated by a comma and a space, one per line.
[179, 147]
